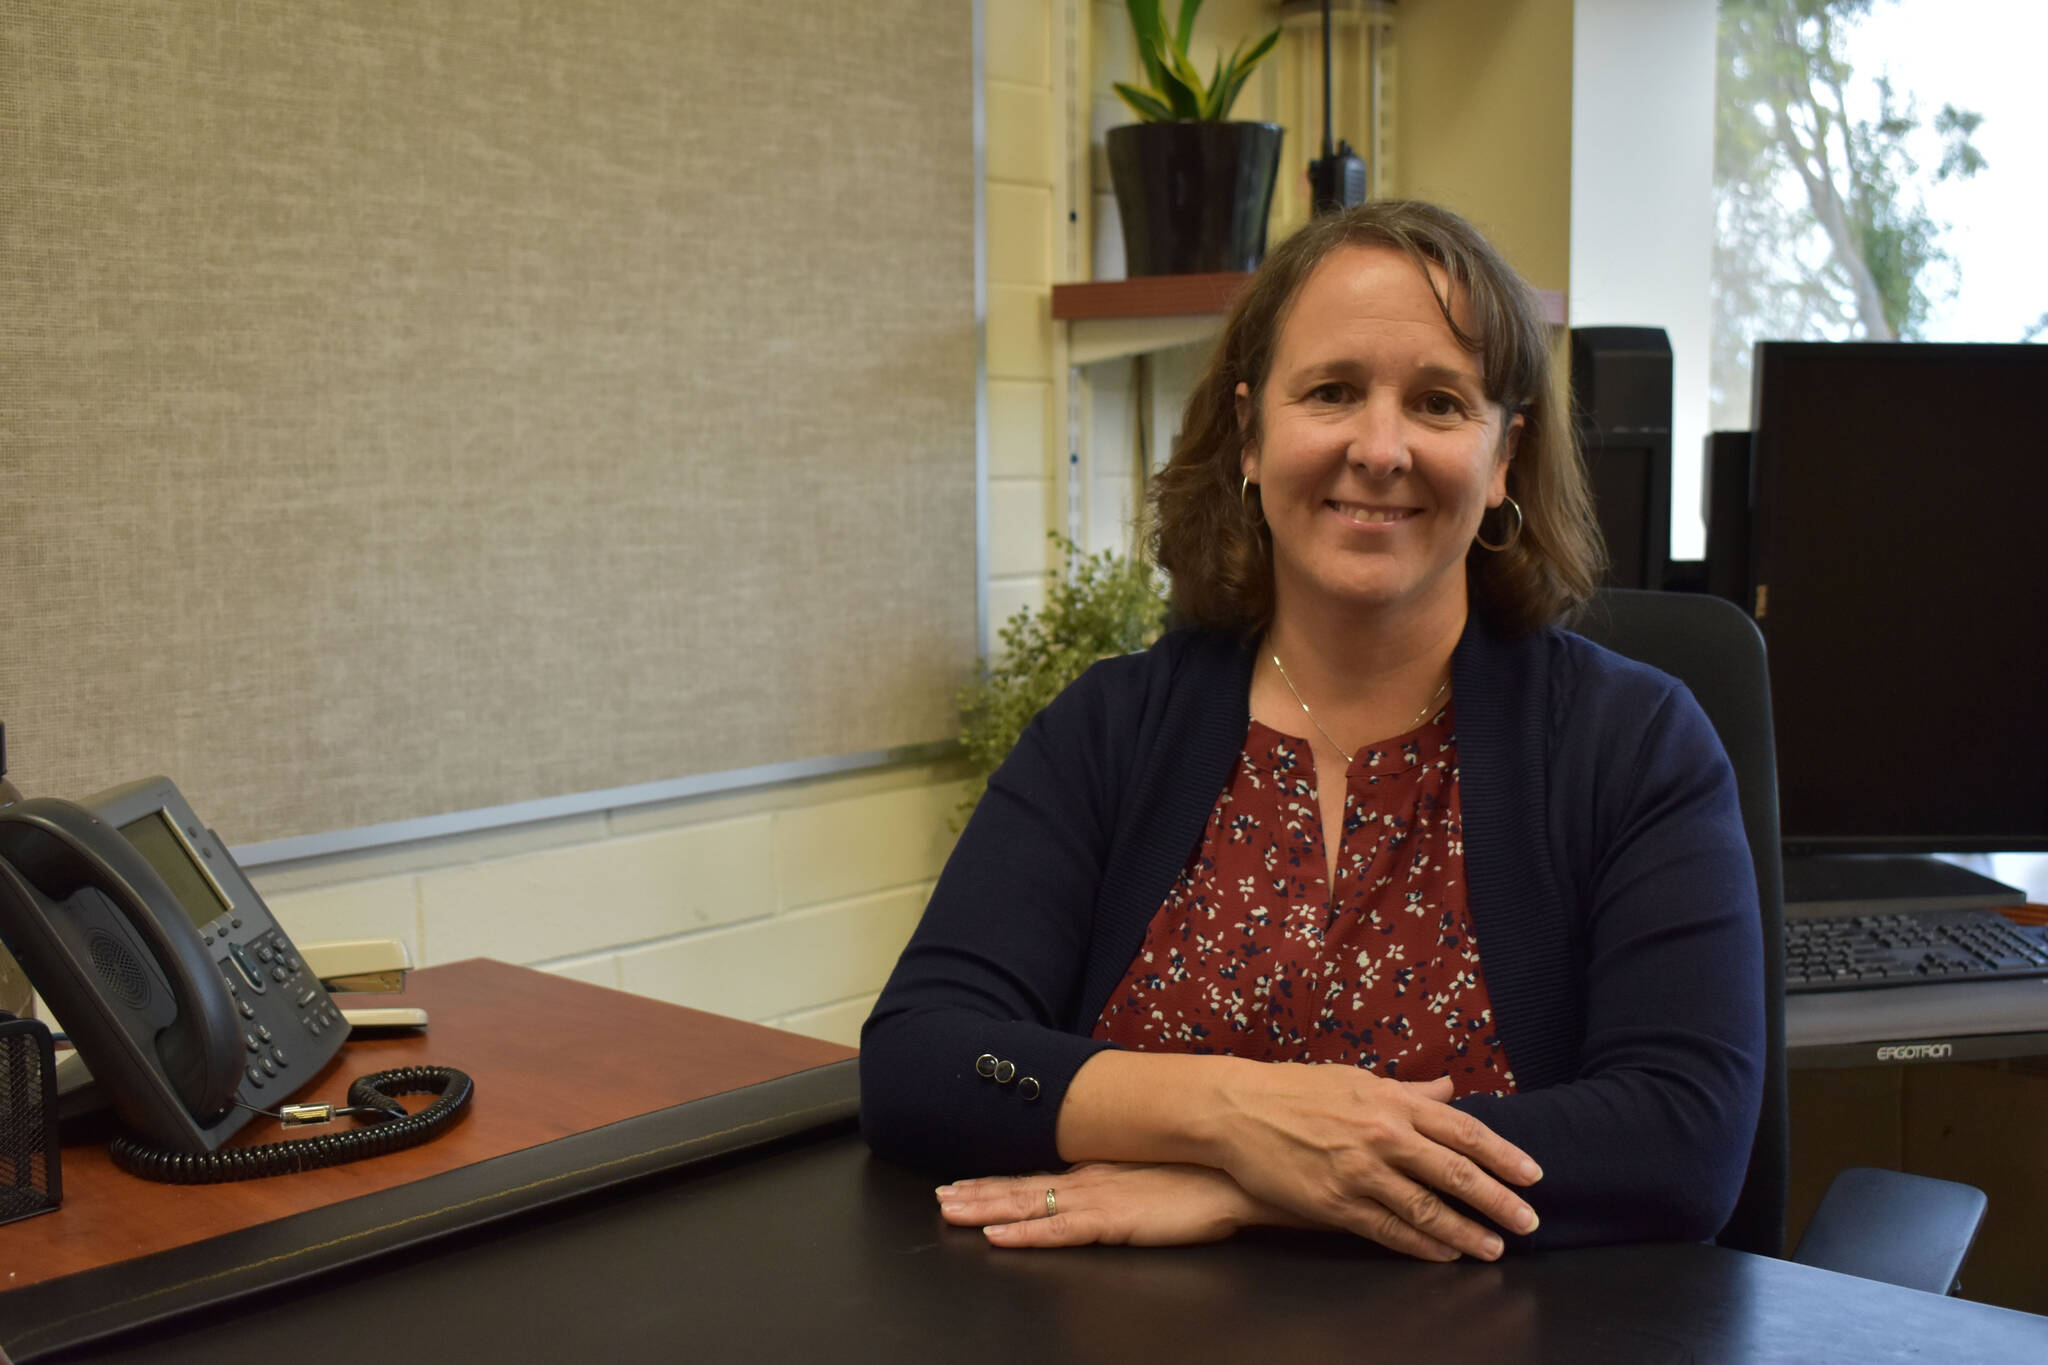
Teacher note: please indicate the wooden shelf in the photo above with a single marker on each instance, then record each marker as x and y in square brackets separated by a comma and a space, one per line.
[1148, 296]
[1115, 319]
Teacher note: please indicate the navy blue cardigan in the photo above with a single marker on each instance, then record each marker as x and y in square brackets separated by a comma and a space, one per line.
[1610, 886]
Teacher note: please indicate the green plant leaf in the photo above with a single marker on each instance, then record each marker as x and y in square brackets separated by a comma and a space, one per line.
[1224, 95]
[1150, 26]
[1099, 606]
[1183, 94]
[1218, 83]
[1176, 86]
[1235, 75]
[1184, 70]
[1146, 106]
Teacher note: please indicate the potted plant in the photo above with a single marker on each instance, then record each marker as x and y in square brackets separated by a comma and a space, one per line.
[1193, 188]
[1098, 606]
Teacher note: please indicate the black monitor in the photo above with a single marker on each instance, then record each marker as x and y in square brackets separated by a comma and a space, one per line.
[1621, 400]
[1900, 570]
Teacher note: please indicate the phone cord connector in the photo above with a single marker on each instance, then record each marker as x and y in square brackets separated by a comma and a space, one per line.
[369, 1095]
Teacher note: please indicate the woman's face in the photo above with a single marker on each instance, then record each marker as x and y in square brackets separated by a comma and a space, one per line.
[1377, 449]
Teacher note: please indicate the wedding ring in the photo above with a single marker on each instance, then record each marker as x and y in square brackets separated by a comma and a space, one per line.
[1052, 1205]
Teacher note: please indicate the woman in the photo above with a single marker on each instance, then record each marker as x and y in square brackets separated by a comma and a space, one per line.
[1372, 900]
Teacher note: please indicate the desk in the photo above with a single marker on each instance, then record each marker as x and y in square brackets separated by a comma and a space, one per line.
[808, 1248]
[552, 1058]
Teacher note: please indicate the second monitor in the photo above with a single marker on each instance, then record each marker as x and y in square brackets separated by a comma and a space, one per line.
[1895, 555]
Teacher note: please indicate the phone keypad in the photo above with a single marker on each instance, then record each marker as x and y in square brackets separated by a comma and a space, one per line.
[267, 965]
[316, 1012]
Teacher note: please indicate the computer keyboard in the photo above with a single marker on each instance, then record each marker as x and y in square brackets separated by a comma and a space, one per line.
[1856, 952]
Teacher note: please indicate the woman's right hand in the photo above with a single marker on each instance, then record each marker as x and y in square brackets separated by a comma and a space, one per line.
[1348, 1149]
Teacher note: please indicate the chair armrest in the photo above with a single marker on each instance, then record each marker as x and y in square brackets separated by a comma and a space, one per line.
[1907, 1230]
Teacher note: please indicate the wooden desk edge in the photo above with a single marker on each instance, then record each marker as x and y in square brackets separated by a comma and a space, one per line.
[125, 1296]
[518, 1032]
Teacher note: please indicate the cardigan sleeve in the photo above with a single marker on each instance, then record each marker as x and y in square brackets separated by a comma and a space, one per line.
[994, 966]
[1650, 1138]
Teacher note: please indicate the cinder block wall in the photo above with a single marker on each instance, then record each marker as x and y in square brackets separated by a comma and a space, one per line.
[787, 904]
[1025, 435]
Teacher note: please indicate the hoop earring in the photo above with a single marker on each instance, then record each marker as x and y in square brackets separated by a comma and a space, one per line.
[1513, 536]
[1244, 504]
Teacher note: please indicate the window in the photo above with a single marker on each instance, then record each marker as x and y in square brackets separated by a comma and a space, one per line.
[1874, 177]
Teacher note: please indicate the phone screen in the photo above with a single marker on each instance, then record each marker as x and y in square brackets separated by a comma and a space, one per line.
[157, 840]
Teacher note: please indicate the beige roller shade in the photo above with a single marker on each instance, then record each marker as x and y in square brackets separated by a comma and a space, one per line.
[407, 408]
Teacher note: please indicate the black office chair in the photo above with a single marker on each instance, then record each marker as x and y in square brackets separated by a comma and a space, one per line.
[1880, 1225]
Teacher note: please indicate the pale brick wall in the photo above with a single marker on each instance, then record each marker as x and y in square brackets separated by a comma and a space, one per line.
[1024, 452]
[786, 904]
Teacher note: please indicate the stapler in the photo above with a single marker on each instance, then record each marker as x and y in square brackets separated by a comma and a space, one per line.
[365, 966]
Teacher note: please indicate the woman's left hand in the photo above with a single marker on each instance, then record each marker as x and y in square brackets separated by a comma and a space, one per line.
[1114, 1202]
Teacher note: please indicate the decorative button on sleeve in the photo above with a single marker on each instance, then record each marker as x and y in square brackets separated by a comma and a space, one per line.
[990, 1067]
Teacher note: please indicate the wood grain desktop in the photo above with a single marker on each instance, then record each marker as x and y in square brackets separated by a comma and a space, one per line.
[550, 1057]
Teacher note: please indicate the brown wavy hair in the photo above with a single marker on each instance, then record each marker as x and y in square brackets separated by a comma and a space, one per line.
[1215, 547]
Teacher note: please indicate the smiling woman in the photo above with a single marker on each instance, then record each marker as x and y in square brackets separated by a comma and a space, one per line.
[1495, 333]
[1373, 445]
[1372, 899]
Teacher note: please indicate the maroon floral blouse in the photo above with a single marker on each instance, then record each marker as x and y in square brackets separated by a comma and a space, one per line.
[1255, 955]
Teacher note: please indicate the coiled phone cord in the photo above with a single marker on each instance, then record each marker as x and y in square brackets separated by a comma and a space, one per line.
[368, 1095]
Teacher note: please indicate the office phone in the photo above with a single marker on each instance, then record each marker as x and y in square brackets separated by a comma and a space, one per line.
[179, 988]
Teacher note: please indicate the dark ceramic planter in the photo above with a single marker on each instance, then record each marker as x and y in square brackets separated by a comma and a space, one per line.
[1193, 196]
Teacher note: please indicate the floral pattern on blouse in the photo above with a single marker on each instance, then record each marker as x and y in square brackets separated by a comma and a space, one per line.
[1254, 954]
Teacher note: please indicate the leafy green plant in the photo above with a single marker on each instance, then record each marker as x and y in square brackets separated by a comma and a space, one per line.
[1096, 607]
[1178, 91]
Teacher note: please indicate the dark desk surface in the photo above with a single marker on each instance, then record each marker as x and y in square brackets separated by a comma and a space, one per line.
[812, 1250]
[677, 1234]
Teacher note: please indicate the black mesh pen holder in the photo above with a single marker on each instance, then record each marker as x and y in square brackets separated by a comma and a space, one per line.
[29, 1178]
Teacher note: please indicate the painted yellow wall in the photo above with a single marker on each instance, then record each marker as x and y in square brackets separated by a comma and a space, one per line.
[1482, 115]
[1483, 122]
[1026, 439]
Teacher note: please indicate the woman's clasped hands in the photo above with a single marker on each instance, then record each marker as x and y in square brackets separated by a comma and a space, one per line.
[1344, 1148]
[1289, 1144]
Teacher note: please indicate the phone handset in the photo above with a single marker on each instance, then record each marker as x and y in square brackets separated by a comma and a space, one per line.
[76, 884]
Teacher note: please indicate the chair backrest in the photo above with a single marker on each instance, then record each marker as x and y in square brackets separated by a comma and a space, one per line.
[1710, 646]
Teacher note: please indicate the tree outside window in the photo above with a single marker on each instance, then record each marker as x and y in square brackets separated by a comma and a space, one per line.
[1859, 181]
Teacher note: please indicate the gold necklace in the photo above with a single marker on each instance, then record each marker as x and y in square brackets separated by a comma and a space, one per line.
[1421, 716]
